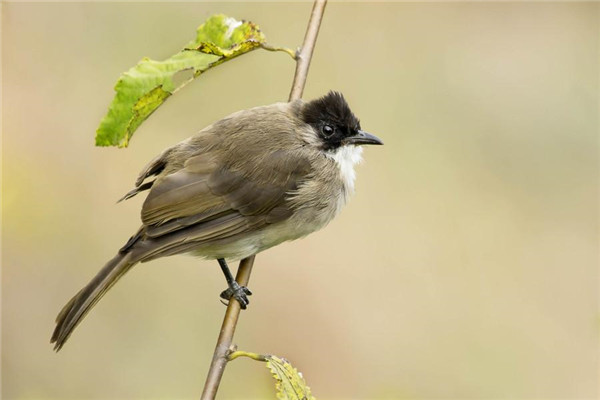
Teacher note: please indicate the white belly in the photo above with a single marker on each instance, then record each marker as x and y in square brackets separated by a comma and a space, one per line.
[299, 225]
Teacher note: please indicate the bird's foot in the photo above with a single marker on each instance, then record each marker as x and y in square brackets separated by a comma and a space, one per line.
[240, 293]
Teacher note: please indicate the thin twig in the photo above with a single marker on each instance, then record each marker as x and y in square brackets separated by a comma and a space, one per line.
[219, 360]
[305, 54]
[220, 356]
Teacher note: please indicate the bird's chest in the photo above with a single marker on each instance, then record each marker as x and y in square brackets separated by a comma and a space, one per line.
[319, 199]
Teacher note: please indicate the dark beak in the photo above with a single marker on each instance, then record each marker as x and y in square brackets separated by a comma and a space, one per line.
[362, 137]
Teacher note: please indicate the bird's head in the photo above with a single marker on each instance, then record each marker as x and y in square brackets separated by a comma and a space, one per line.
[335, 124]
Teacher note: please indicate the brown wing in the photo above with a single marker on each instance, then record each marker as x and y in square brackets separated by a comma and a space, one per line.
[154, 167]
[210, 201]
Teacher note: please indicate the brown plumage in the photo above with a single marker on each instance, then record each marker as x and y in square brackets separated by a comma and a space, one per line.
[246, 183]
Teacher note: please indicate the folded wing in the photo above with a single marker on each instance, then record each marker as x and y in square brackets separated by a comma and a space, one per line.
[212, 201]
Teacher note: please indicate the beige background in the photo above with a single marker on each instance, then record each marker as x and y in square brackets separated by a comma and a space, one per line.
[465, 267]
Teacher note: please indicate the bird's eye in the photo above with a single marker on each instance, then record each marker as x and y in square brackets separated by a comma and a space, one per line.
[327, 130]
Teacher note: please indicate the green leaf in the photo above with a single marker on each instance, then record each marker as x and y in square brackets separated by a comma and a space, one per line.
[290, 384]
[142, 89]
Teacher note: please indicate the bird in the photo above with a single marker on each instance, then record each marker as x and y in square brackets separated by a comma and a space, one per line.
[246, 183]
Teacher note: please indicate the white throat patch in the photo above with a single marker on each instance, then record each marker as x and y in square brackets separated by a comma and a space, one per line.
[345, 157]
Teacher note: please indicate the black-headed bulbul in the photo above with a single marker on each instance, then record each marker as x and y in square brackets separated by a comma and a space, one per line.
[244, 184]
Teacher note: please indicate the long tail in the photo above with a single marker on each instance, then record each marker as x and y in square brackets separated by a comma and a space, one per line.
[77, 308]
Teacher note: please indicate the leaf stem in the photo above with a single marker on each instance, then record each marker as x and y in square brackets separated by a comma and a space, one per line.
[220, 356]
[269, 47]
[258, 357]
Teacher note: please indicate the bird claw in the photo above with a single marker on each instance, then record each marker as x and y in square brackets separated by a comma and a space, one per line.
[239, 293]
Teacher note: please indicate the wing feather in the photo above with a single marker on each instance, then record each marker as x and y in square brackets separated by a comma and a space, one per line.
[207, 202]
[223, 228]
[154, 231]
[181, 194]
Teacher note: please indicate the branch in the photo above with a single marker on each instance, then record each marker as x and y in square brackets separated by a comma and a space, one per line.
[305, 54]
[219, 360]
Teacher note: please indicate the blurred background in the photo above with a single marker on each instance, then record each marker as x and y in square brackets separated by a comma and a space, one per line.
[465, 267]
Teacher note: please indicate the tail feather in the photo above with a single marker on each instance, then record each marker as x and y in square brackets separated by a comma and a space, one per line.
[78, 307]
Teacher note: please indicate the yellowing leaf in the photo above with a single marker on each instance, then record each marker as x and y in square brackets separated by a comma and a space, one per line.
[142, 89]
[290, 384]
